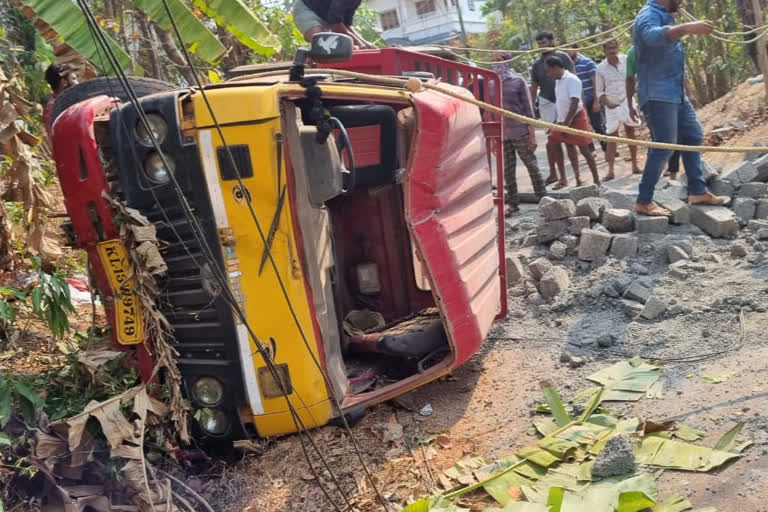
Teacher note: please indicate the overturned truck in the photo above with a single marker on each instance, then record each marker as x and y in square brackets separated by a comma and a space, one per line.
[377, 263]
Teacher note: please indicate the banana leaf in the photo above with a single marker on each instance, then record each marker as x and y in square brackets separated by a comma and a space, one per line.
[729, 437]
[237, 19]
[626, 380]
[69, 22]
[673, 504]
[668, 453]
[199, 39]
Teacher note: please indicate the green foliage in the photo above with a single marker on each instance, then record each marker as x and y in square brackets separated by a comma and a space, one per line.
[18, 392]
[48, 300]
[366, 22]
[51, 301]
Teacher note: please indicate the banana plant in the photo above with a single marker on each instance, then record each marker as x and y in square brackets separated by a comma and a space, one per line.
[68, 21]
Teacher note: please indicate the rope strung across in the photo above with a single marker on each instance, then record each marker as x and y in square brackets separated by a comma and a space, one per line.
[463, 96]
[625, 28]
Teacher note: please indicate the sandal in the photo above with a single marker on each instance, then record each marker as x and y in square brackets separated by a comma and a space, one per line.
[560, 185]
[609, 177]
[550, 180]
[652, 209]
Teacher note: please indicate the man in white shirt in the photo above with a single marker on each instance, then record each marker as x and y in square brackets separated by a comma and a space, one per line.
[571, 113]
[612, 94]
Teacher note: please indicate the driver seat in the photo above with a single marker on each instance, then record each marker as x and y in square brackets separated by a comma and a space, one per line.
[372, 131]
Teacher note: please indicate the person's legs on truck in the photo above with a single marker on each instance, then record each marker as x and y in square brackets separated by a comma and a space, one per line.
[307, 20]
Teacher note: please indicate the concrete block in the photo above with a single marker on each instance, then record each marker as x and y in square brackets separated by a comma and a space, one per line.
[578, 224]
[649, 225]
[720, 187]
[762, 234]
[548, 232]
[558, 251]
[630, 307]
[570, 241]
[620, 200]
[761, 212]
[681, 213]
[618, 221]
[675, 254]
[654, 308]
[624, 247]
[673, 190]
[540, 267]
[709, 172]
[716, 221]
[579, 193]
[556, 209]
[757, 225]
[637, 292]
[593, 245]
[761, 164]
[755, 190]
[515, 271]
[554, 282]
[741, 173]
[592, 207]
[744, 208]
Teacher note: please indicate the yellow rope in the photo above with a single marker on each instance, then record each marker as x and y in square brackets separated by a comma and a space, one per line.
[544, 50]
[538, 50]
[691, 17]
[403, 83]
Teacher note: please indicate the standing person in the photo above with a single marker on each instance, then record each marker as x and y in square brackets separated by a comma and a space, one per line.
[313, 16]
[519, 138]
[59, 78]
[586, 70]
[671, 117]
[571, 113]
[543, 86]
[612, 94]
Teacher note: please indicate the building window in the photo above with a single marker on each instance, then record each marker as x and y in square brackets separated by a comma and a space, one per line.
[471, 4]
[425, 7]
[389, 19]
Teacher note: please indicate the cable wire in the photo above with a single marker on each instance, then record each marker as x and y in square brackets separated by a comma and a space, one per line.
[273, 263]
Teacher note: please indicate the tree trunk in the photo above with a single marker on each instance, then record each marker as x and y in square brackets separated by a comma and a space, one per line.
[149, 60]
[173, 53]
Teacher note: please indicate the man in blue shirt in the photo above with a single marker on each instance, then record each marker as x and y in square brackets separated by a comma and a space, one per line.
[661, 96]
[585, 70]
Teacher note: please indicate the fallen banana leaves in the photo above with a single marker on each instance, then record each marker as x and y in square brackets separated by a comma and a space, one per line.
[555, 474]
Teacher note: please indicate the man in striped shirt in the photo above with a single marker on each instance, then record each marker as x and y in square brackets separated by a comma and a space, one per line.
[586, 70]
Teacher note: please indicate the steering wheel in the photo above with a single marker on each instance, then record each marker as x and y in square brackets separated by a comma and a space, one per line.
[342, 144]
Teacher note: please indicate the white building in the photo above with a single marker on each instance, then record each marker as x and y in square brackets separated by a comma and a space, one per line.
[419, 22]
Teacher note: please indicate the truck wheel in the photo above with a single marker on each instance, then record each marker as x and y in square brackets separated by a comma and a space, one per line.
[109, 86]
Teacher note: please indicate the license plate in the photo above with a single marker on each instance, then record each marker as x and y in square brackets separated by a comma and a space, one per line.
[128, 314]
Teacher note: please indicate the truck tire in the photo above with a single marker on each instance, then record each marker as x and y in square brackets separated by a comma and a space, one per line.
[107, 86]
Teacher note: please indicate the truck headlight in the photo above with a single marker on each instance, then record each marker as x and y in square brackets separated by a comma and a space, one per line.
[156, 169]
[158, 126]
[208, 391]
[213, 421]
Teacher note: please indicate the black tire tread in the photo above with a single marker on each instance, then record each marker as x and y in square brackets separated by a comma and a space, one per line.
[109, 86]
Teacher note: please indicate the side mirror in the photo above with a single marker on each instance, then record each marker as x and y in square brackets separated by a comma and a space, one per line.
[331, 47]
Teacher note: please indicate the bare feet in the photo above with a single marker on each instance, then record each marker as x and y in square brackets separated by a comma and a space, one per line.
[608, 177]
[560, 185]
[550, 180]
[652, 210]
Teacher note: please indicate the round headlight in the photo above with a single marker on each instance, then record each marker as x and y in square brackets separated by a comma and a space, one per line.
[158, 126]
[213, 421]
[208, 391]
[156, 170]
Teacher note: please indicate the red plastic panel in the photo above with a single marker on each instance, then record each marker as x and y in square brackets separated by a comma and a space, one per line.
[452, 217]
[83, 182]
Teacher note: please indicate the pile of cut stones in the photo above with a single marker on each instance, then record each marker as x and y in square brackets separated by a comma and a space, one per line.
[595, 224]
